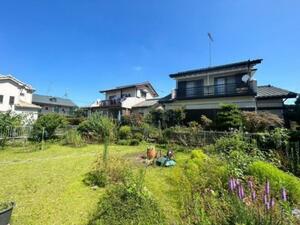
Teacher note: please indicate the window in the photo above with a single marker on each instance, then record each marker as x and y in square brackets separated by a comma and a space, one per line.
[143, 94]
[22, 94]
[56, 109]
[11, 100]
[112, 97]
[1, 99]
[126, 95]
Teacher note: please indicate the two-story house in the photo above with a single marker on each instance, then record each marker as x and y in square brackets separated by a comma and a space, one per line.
[52, 104]
[120, 100]
[16, 97]
[202, 91]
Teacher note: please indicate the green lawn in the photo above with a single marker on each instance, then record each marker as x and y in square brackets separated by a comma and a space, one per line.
[48, 189]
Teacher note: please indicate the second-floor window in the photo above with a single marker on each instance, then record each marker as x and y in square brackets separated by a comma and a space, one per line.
[11, 100]
[143, 94]
[1, 99]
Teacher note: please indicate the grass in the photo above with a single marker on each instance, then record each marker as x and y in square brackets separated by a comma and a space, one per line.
[48, 189]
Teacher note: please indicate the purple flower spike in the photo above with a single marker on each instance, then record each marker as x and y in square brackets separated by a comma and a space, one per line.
[265, 199]
[272, 202]
[253, 195]
[267, 188]
[231, 184]
[283, 194]
[241, 193]
[250, 183]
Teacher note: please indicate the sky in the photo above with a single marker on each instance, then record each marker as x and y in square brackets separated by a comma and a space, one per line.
[78, 47]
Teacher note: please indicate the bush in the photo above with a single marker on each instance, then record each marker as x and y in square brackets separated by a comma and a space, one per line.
[125, 132]
[258, 122]
[123, 142]
[46, 125]
[229, 117]
[128, 203]
[97, 127]
[276, 139]
[134, 142]
[115, 171]
[205, 122]
[234, 142]
[8, 121]
[133, 120]
[73, 138]
[278, 179]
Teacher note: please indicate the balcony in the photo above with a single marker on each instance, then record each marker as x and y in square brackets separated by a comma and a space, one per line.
[110, 103]
[224, 90]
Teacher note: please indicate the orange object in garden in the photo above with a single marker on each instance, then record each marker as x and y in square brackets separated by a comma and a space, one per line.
[151, 152]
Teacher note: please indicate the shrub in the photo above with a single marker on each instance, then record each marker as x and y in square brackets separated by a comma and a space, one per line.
[125, 132]
[97, 127]
[173, 117]
[123, 142]
[276, 139]
[115, 171]
[46, 125]
[234, 142]
[134, 142]
[258, 122]
[129, 203]
[277, 178]
[205, 122]
[138, 135]
[133, 120]
[229, 117]
[8, 121]
[73, 138]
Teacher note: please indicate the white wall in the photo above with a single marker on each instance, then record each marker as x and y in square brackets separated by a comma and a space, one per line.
[213, 103]
[9, 88]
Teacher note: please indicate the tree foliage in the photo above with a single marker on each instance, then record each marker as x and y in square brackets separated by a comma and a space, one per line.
[258, 122]
[46, 125]
[229, 117]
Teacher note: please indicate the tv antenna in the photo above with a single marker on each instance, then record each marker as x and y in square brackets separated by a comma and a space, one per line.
[210, 40]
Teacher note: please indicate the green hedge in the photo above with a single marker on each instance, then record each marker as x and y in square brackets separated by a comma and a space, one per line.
[277, 178]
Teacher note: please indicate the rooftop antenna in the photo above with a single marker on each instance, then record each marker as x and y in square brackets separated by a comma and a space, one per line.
[66, 93]
[210, 40]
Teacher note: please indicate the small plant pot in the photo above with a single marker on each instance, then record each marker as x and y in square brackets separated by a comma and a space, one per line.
[5, 214]
[151, 153]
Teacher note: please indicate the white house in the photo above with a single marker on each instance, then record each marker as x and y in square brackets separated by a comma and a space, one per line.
[16, 97]
[121, 100]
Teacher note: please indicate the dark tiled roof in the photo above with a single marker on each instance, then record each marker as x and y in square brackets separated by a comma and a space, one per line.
[167, 98]
[51, 100]
[249, 63]
[146, 83]
[147, 103]
[269, 91]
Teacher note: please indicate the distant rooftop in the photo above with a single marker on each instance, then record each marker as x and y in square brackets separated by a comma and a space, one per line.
[15, 80]
[146, 103]
[269, 91]
[248, 63]
[146, 83]
[52, 100]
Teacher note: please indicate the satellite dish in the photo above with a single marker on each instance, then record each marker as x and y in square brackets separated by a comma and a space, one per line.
[245, 78]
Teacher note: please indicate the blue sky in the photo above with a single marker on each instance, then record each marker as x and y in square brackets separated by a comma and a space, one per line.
[81, 47]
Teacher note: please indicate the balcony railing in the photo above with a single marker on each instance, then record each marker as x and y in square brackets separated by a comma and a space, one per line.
[233, 89]
[110, 103]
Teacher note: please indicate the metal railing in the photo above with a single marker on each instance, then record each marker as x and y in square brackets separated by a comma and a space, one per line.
[110, 103]
[233, 89]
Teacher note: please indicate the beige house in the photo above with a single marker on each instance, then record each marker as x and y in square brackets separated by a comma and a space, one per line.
[52, 104]
[203, 91]
[121, 100]
[16, 97]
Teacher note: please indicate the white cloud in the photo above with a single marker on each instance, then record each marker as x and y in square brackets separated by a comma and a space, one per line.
[137, 68]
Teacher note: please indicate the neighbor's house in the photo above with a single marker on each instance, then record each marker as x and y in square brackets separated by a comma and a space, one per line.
[121, 100]
[16, 97]
[51, 104]
[202, 91]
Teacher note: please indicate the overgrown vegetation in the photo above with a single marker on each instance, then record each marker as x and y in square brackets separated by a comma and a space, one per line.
[46, 125]
[8, 122]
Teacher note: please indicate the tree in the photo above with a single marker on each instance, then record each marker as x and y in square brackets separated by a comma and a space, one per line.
[174, 117]
[46, 125]
[100, 128]
[230, 117]
[256, 122]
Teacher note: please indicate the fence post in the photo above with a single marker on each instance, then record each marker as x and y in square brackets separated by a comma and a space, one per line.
[43, 134]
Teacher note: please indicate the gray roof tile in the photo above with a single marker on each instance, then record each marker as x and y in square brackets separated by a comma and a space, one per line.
[51, 100]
